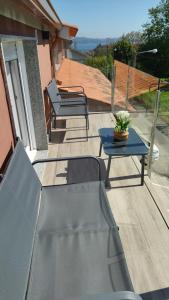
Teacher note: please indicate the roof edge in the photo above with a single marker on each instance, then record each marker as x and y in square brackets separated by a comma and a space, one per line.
[47, 10]
[73, 29]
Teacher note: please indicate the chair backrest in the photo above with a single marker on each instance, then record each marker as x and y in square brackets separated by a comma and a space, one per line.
[53, 95]
[19, 206]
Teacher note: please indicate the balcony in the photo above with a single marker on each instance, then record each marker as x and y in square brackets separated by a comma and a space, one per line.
[140, 211]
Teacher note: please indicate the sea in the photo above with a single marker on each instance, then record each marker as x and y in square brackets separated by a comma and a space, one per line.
[87, 44]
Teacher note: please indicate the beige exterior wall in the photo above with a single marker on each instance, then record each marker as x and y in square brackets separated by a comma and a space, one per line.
[45, 74]
[44, 64]
[59, 53]
[6, 135]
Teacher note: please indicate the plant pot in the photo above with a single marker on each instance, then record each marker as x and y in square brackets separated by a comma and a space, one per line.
[121, 135]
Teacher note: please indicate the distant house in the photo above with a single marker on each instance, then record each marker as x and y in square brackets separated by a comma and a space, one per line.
[34, 42]
[76, 55]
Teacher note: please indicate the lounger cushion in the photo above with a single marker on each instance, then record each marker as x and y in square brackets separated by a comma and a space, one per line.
[56, 242]
[73, 101]
[64, 110]
[77, 247]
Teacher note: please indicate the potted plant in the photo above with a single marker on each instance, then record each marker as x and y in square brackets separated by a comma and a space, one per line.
[122, 122]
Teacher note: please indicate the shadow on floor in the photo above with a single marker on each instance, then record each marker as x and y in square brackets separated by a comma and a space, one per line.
[124, 186]
[120, 178]
[61, 124]
[74, 128]
[124, 177]
[57, 137]
[85, 170]
[82, 137]
[162, 294]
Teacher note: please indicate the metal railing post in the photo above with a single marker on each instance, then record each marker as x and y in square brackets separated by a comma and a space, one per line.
[127, 87]
[113, 83]
[152, 138]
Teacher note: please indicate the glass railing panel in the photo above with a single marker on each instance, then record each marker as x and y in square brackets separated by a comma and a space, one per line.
[137, 97]
[118, 89]
[159, 168]
[149, 111]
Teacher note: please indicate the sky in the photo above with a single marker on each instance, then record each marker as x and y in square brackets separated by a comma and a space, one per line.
[104, 18]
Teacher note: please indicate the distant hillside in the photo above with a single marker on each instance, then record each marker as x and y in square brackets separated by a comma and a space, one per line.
[85, 44]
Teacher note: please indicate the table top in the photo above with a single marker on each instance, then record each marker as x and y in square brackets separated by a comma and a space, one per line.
[132, 146]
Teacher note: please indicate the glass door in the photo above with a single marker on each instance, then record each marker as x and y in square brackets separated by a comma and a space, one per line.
[17, 101]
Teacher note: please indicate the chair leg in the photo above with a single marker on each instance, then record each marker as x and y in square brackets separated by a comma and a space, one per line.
[50, 134]
[88, 122]
[50, 128]
[54, 122]
[86, 127]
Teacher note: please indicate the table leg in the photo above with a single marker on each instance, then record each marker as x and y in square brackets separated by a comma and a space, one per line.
[108, 170]
[100, 150]
[142, 169]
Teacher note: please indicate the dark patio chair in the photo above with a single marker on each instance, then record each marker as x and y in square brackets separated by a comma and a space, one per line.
[67, 104]
[58, 242]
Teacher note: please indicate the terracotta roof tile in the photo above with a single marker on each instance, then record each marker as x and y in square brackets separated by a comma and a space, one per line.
[98, 87]
[139, 83]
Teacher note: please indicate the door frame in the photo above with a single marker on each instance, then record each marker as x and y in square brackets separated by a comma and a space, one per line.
[25, 88]
[26, 95]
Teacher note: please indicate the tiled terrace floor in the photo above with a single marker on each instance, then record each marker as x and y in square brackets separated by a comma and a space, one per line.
[145, 237]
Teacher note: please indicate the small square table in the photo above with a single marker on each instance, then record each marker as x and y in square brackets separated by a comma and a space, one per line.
[133, 146]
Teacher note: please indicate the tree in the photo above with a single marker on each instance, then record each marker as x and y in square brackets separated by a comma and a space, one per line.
[158, 27]
[100, 50]
[103, 63]
[156, 35]
[123, 50]
[103, 55]
[134, 37]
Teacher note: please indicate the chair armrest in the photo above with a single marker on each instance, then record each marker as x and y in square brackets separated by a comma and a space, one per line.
[74, 101]
[72, 86]
[71, 93]
[55, 159]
